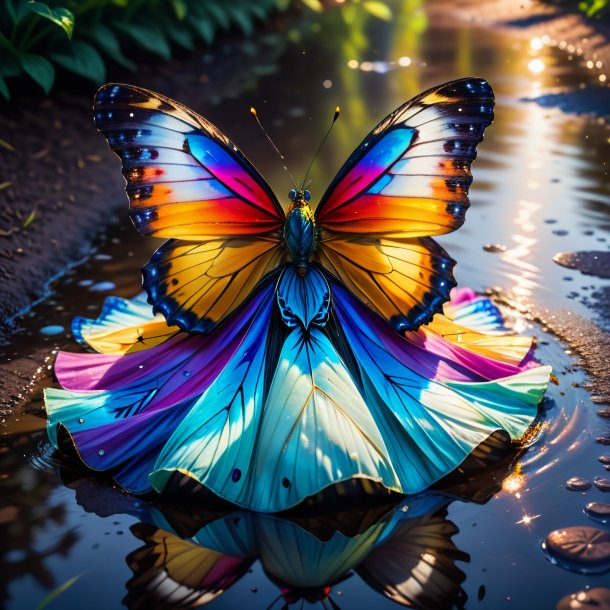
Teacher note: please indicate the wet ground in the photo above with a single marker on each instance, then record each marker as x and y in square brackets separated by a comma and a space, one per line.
[541, 187]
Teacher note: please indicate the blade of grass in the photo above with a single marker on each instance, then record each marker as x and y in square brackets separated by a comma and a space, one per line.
[30, 219]
[6, 145]
[58, 591]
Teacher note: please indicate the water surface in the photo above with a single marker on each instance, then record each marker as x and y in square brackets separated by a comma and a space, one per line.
[540, 187]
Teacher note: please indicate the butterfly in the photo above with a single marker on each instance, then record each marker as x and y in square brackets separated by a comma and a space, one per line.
[407, 181]
[295, 371]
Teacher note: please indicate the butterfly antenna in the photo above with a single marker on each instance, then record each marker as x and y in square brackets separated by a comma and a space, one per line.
[337, 111]
[253, 113]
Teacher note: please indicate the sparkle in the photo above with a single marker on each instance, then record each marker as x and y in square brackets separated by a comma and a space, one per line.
[536, 66]
[527, 519]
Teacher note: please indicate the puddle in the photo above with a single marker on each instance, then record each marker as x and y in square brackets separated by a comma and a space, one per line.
[535, 165]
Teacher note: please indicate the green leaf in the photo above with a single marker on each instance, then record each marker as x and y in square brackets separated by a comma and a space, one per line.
[258, 10]
[204, 28]
[83, 60]
[243, 20]
[39, 69]
[314, 5]
[4, 90]
[219, 13]
[17, 9]
[148, 35]
[10, 66]
[180, 35]
[60, 16]
[108, 42]
[180, 9]
[6, 43]
[378, 9]
[57, 591]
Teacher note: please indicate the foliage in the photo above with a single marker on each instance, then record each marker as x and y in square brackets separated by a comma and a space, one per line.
[594, 7]
[82, 36]
[597, 9]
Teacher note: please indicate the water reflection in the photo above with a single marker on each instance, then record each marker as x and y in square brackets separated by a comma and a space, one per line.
[190, 556]
[406, 554]
[26, 509]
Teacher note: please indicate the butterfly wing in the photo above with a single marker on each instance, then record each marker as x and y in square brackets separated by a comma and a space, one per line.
[408, 180]
[187, 181]
[169, 572]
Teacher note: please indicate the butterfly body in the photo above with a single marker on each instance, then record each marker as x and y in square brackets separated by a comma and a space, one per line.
[300, 233]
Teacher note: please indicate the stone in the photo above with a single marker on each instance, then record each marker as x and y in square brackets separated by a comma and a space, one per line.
[598, 599]
[602, 484]
[580, 547]
[598, 510]
[604, 459]
[578, 484]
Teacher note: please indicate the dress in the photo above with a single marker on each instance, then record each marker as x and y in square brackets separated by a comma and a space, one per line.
[275, 355]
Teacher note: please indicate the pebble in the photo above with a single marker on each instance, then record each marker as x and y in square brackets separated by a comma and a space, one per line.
[598, 510]
[598, 598]
[8, 514]
[594, 262]
[578, 484]
[602, 484]
[51, 330]
[603, 440]
[604, 412]
[494, 248]
[581, 547]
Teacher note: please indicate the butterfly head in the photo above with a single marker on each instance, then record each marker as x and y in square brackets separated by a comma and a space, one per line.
[299, 197]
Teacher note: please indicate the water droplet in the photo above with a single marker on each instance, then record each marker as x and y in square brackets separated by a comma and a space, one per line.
[100, 452]
[236, 475]
[102, 287]
[285, 483]
[186, 373]
[254, 589]
[51, 330]
[578, 484]
[81, 420]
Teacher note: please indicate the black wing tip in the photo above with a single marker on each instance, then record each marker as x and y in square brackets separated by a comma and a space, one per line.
[441, 286]
[169, 308]
[471, 85]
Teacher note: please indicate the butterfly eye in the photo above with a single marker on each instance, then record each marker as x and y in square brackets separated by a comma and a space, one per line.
[292, 194]
[307, 195]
